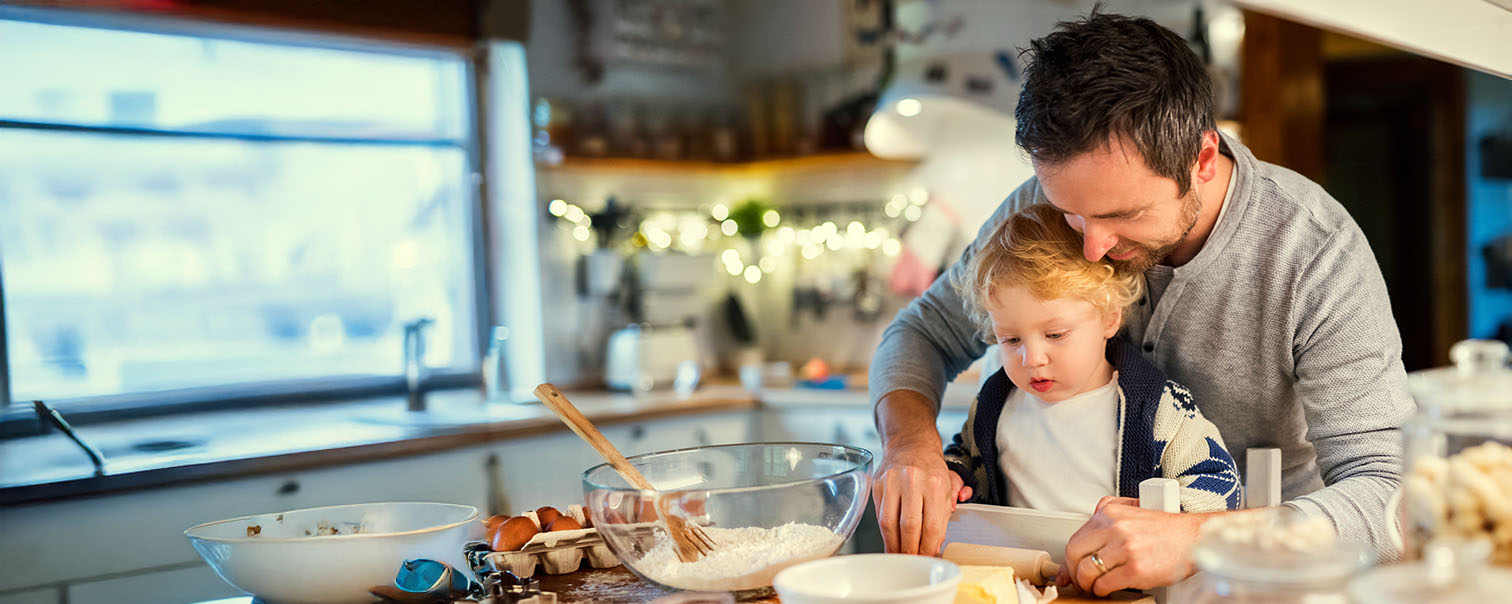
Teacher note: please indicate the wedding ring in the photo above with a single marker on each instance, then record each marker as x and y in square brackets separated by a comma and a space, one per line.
[1097, 561]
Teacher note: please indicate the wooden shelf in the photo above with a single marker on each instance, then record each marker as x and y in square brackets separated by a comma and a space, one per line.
[849, 160]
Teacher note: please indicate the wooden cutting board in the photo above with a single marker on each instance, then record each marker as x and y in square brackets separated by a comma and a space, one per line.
[1122, 596]
[619, 585]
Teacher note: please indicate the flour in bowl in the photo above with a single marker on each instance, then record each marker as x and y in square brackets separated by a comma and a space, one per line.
[745, 558]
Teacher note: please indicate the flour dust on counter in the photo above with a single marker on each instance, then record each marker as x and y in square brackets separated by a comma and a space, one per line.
[745, 558]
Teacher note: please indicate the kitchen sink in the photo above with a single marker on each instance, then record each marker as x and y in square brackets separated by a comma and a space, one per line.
[444, 410]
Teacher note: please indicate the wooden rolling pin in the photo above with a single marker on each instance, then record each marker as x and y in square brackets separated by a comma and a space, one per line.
[1033, 566]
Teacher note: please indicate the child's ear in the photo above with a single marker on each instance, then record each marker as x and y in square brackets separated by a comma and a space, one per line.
[1111, 322]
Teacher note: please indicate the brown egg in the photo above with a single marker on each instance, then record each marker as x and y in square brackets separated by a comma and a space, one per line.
[513, 534]
[565, 523]
[645, 511]
[491, 523]
[547, 515]
[587, 520]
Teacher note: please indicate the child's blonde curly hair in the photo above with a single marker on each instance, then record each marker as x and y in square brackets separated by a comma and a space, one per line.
[1037, 249]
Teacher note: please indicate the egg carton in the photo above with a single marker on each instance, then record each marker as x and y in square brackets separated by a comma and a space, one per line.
[560, 552]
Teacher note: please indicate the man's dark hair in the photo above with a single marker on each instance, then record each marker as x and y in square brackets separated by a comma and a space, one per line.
[1108, 75]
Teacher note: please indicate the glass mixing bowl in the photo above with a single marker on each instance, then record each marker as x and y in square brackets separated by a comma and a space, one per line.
[767, 506]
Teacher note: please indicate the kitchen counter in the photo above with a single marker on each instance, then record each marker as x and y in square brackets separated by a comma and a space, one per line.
[222, 444]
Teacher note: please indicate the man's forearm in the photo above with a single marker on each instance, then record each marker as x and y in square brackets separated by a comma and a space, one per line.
[907, 419]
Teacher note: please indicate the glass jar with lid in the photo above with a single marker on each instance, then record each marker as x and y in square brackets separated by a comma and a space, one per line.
[1451, 571]
[1458, 449]
[1272, 555]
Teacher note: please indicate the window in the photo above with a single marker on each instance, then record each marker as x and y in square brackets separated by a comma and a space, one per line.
[182, 212]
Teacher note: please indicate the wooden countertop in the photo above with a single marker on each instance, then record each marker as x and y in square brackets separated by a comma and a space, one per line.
[618, 585]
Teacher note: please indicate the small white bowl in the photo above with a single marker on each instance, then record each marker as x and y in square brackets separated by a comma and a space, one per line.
[288, 561]
[870, 578]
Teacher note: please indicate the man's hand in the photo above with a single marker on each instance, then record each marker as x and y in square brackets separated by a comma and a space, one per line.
[1141, 549]
[914, 494]
[912, 489]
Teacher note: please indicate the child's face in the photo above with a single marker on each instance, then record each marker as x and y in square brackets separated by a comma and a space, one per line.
[1051, 348]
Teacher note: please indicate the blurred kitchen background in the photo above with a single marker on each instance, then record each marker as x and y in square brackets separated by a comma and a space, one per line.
[250, 202]
[267, 191]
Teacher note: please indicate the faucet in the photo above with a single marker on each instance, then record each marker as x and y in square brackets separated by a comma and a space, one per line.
[48, 415]
[414, 362]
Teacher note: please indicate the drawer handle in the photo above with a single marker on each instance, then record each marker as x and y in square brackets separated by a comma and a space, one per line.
[289, 487]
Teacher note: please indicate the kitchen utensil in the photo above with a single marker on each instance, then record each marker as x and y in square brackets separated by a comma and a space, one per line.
[1031, 565]
[332, 555]
[424, 581]
[870, 579]
[1034, 530]
[786, 502]
[692, 542]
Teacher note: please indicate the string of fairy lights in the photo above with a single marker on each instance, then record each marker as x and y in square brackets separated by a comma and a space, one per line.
[808, 233]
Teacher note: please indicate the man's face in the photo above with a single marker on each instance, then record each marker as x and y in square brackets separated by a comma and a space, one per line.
[1123, 210]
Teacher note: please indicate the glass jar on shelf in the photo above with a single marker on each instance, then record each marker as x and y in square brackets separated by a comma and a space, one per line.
[1458, 450]
[1272, 555]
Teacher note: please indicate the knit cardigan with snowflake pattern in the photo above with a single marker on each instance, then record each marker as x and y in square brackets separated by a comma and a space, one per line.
[1161, 434]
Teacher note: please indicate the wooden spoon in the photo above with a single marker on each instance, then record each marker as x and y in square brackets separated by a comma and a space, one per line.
[691, 540]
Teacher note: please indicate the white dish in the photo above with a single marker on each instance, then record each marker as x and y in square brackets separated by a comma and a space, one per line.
[870, 579]
[291, 560]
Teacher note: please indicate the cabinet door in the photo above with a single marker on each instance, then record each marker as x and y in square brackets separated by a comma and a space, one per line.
[48, 595]
[450, 477]
[548, 469]
[697, 431]
[54, 542]
[44, 543]
[193, 584]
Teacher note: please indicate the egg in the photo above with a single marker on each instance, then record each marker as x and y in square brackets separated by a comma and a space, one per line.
[513, 534]
[565, 523]
[646, 510]
[547, 515]
[491, 523]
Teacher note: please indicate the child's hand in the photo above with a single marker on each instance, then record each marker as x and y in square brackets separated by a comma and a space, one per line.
[962, 492]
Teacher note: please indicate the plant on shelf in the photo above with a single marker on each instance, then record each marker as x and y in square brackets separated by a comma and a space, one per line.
[753, 217]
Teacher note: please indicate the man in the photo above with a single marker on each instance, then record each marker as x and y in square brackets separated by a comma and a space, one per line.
[1263, 298]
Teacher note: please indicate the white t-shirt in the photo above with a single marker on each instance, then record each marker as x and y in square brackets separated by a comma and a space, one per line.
[1060, 456]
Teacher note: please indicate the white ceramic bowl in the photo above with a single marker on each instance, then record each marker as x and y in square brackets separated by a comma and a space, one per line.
[289, 561]
[870, 578]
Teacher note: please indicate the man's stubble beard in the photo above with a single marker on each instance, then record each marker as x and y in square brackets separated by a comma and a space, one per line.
[1191, 206]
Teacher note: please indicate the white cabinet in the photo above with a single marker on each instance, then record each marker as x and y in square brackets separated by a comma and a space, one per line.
[76, 539]
[192, 584]
[548, 469]
[130, 547]
[48, 595]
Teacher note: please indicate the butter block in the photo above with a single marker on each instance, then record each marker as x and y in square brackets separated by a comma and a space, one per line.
[987, 585]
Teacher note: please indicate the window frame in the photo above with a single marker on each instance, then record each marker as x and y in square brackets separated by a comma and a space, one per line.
[110, 407]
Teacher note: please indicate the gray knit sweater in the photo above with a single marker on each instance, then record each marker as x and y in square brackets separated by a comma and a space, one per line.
[1280, 326]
